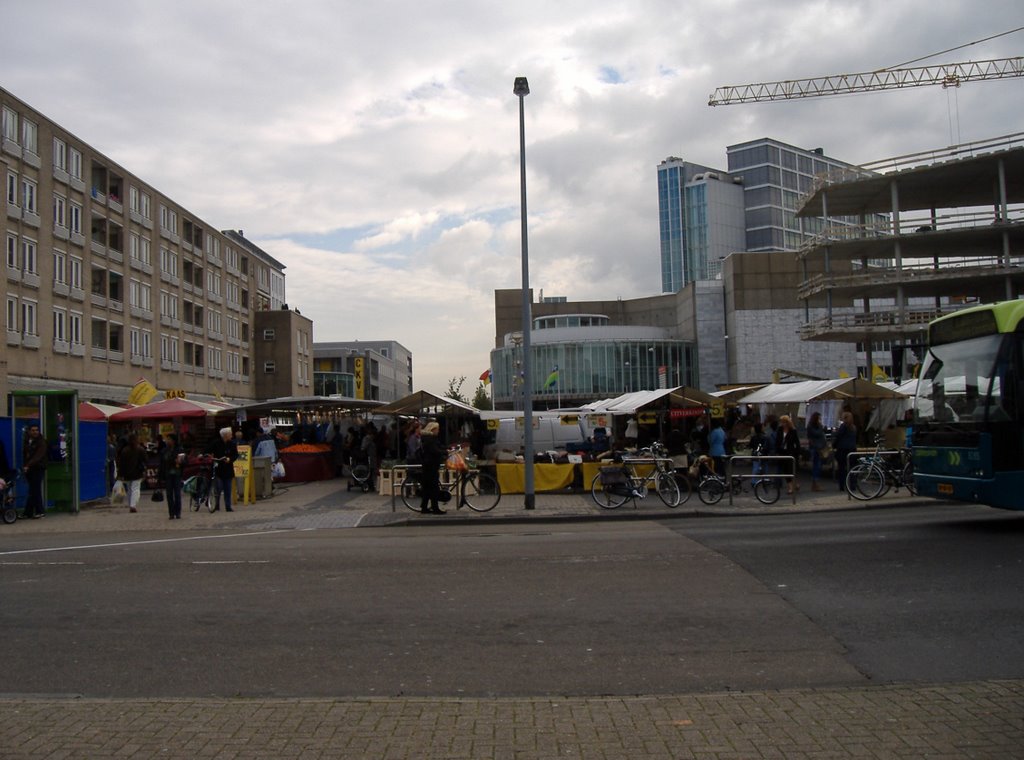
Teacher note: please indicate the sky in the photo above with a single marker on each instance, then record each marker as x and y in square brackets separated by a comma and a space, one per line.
[373, 147]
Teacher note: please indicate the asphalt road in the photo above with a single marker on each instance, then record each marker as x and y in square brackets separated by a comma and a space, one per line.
[625, 608]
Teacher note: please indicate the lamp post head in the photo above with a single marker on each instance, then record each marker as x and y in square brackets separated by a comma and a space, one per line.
[521, 87]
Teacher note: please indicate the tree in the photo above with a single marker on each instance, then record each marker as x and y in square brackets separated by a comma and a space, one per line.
[455, 389]
[482, 399]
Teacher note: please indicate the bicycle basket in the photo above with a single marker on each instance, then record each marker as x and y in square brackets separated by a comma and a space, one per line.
[189, 486]
[613, 476]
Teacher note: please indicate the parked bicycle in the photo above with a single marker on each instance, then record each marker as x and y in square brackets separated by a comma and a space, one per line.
[472, 488]
[199, 486]
[7, 497]
[711, 486]
[614, 484]
[874, 474]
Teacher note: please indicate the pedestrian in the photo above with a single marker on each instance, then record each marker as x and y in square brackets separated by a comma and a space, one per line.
[758, 447]
[111, 462]
[844, 443]
[716, 445]
[172, 459]
[368, 448]
[413, 444]
[34, 467]
[789, 446]
[224, 452]
[431, 458]
[816, 442]
[131, 468]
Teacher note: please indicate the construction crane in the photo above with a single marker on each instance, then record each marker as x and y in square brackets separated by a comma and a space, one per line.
[947, 75]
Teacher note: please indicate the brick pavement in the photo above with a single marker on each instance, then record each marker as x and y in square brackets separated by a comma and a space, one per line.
[976, 720]
[966, 720]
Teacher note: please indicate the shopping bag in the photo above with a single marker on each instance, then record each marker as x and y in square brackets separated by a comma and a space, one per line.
[158, 495]
[117, 493]
[456, 462]
[277, 470]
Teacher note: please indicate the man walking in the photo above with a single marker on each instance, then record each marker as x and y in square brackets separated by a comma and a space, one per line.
[34, 467]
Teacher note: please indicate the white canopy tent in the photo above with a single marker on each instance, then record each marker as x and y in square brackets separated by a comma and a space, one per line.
[802, 399]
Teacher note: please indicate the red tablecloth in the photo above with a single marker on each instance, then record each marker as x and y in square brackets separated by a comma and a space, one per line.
[301, 468]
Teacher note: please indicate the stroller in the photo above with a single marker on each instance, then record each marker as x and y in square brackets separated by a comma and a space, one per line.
[359, 473]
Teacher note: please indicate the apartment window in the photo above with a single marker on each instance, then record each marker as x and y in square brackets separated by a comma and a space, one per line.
[147, 344]
[60, 325]
[98, 339]
[233, 327]
[214, 358]
[268, 333]
[213, 282]
[10, 124]
[133, 198]
[168, 348]
[75, 328]
[75, 163]
[168, 219]
[12, 252]
[169, 262]
[75, 217]
[214, 322]
[60, 154]
[60, 211]
[28, 317]
[168, 304]
[133, 246]
[98, 281]
[60, 267]
[28, 195]
[116, 337]
[269, 367]
[12, 314]
[28, 257]
[135, 341]
[12, 189]
[75, 272]
[135, 293]
[30, 136]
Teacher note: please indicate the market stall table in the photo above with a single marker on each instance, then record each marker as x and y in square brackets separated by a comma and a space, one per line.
[546, 477]
[306, 462]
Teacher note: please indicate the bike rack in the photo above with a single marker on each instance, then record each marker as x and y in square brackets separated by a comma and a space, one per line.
[768, 458]
[864, 454]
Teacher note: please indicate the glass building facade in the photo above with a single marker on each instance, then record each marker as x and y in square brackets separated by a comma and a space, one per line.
[591, 365]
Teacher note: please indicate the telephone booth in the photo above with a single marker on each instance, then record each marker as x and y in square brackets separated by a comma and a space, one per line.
[56, 413]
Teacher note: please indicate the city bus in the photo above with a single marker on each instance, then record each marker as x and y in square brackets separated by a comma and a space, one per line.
[968, 435]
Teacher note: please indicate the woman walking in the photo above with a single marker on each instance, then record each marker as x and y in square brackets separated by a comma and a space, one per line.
[789, 446]
[816, 442]
[844, 443]
[171, 458]
[131, 468]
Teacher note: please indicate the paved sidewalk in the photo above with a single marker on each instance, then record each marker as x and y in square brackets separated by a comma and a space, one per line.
[328, 504]
[967, 720]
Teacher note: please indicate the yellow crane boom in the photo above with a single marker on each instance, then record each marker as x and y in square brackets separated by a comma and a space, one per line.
[947, 74]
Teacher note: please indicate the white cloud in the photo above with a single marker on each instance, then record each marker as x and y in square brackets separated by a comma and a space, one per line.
[392, 128]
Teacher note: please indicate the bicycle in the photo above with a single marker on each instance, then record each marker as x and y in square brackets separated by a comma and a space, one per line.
[712, 487]
[613, 485]
[359, 474]
[874, 474]
[475, 489]
[7, 500]
[199, 486]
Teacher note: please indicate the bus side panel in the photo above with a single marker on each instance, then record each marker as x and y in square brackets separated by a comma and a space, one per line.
[963, 473]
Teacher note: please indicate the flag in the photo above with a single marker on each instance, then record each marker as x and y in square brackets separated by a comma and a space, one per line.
[878, 374]
[485, 378]
[142, 393]
[552, 378]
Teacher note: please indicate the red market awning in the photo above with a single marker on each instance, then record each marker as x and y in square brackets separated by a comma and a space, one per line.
[169, 409]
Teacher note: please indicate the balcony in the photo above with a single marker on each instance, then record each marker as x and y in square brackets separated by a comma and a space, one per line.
[13, 338]
[61, 289]
[76, 294]
[78, 349]
[32, 159]
[98, 196]
[116, 356]
[136, 360]
[14, 212]
[117, 306]
[30, 280]
[14, 275]
[61, 176]
[98, 248]
[97, 299]
[77, 238]
[100, 354]
[61, 347]
[61, 233]
[30, 340]
[32, 220]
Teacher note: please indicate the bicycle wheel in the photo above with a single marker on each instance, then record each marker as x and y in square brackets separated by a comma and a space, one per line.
[10, 514]
[685, 488]
[481, 491]
[907, 477]
[710, 490]
[411, 494]
[767, 490]
[865, 482]
[607, 498]
[200, 493]
[668, 489]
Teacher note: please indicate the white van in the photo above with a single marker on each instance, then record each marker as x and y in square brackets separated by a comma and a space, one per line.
[549, 434]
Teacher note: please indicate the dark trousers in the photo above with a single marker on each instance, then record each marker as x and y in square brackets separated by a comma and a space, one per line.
[223, 486]
[172, 488]
[430, 490]
[34, 505]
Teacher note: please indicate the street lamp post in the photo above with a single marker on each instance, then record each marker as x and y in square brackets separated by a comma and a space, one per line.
[521, 88]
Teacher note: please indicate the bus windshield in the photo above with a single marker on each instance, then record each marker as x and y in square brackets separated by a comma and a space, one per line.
[962, 382]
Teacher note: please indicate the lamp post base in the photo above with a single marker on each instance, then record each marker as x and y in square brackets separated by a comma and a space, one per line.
[529, 501]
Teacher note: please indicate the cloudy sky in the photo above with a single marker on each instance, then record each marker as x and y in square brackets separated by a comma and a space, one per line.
[373, 147]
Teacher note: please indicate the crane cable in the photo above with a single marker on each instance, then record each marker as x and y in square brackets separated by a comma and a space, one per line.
[950, 50]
